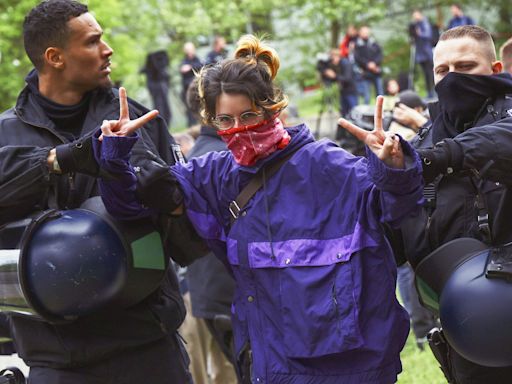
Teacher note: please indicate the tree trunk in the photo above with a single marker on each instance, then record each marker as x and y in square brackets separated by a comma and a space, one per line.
[505, 19]
[335, 33]
[439, 19]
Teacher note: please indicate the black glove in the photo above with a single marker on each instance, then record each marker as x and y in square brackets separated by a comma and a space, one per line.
[446, 157]
[78, 157]
[156, 186]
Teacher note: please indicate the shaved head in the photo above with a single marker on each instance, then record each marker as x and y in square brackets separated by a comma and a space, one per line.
[476, 33]
[468, 49]
[506, 55]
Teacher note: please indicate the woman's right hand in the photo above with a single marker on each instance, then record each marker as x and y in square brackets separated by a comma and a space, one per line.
[124, 126]
[385, 145]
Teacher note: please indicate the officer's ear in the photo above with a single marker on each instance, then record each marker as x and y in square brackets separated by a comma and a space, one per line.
[497, 67]
[54, 58]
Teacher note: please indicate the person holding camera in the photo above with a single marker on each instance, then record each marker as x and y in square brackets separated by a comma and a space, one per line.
[408, 115]
[329, 69]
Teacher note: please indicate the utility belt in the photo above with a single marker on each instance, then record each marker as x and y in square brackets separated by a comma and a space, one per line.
[61, 265]
[440, 350]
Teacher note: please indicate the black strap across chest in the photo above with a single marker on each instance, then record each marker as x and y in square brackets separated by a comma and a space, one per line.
[266, 172]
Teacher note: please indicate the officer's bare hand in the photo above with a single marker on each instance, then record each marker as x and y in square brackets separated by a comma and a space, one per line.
[385, 145]
[409, 117]
[124, 126]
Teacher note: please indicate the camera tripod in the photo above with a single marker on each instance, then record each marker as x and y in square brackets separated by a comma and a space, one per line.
[330, 104]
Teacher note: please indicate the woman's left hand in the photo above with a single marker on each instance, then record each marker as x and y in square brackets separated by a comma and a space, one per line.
[124, 126]
[385, 145]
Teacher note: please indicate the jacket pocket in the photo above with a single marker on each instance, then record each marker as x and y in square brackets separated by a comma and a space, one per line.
[319, 310]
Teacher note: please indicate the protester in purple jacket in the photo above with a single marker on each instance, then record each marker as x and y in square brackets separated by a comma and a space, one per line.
[315, 298]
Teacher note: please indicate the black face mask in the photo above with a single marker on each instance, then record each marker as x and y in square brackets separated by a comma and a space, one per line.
[462, 97]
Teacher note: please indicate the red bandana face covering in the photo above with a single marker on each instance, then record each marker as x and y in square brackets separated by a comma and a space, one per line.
[250, 143]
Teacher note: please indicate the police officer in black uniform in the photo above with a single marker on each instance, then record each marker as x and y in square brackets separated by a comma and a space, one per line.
[467, 157]
[46, 162]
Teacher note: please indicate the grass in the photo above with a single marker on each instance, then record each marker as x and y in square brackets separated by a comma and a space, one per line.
[419, 367]
[309, 104]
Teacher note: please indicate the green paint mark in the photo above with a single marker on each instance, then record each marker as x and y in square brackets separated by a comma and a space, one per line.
[148, 252]
[427, 295]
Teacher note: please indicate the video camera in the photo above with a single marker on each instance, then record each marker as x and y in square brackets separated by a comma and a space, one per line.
[412, 31]
[362, 116]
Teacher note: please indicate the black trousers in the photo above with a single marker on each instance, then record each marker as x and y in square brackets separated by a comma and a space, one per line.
[162, 362]
[428, 72]
[466, 372]
[159, 91]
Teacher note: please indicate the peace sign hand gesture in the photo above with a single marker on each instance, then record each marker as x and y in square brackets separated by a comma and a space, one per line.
[385, 145]
[124, 126]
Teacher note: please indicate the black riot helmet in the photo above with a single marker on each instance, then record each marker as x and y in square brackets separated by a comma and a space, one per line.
[61, 265]
[470, 287]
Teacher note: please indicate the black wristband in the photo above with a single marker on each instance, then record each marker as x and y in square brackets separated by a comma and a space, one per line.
[445, 158]
[65, 158]
[78, 157]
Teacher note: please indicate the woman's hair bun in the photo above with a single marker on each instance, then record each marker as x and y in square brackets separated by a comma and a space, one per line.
[255, 50]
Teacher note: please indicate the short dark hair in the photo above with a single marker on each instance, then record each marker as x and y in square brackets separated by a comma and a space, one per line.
[506, 54]
[46, 26]
[474, 32]
[192, 98]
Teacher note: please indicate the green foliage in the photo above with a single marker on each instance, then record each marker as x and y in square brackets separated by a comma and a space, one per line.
[14, 64]
[397, 56]
[299, 29]
[419, 367]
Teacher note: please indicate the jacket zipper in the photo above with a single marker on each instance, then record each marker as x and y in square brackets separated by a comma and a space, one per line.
[71, 175]
[71, 179]
[336, 309]
[20, 116]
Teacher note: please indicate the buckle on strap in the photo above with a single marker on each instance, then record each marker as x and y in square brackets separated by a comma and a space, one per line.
[234, 209]
[483, 223]
[483, 219]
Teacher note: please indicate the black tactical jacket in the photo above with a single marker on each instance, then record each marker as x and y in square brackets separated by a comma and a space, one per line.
[26, 136]
[452, 208]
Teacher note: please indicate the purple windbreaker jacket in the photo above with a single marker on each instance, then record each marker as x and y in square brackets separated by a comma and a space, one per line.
[315, 296]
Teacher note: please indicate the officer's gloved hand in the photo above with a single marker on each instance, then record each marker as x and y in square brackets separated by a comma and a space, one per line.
[78, 157]
[444, 158]
[156, 186]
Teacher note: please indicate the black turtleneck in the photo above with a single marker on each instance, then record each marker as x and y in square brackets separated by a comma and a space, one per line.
[68, 119]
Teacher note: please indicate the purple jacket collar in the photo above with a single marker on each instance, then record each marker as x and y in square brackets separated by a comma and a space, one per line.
[300, 134]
